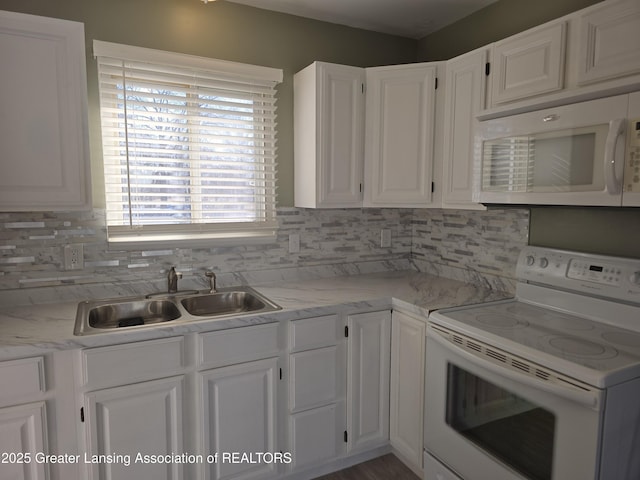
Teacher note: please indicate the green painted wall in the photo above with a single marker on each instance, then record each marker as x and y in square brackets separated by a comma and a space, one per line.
[225, 31]
[495, 22]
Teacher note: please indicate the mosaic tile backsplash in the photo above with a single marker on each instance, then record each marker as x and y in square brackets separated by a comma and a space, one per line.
[31, 245]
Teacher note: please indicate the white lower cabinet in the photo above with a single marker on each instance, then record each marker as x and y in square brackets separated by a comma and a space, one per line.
[240, 417]
[317, 389]
[140, 420]
[368, 363]
[317, 435]
[22, 437]
[133, 409]
[23, 419]
[221, 395]
[338, 386]
[407, 387]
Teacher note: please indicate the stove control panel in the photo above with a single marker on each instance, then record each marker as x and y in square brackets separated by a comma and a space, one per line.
[609, 277]
[609, 274]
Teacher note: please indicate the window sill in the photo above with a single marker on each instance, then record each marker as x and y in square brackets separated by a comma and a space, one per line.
[191, 240]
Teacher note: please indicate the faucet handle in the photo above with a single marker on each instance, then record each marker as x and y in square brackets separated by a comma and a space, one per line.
[172, 280]
[212, 281]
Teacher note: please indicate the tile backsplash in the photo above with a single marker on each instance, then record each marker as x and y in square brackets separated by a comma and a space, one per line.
[31, 245]
[478, 246]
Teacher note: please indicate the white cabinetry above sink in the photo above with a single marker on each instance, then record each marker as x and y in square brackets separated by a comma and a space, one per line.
[390, 143]
[44, 134]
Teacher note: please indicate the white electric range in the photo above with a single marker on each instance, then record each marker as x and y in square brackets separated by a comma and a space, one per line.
[542, 386]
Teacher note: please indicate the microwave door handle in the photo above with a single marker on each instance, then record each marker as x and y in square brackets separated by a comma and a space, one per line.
[612, 165]
[588, 398]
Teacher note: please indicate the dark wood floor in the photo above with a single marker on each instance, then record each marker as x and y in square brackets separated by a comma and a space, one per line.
[387, 467]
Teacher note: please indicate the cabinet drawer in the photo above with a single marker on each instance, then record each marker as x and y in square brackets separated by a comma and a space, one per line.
[315, 378]
[238, 345]
[22, 378]
[314, 332]
[133, 362]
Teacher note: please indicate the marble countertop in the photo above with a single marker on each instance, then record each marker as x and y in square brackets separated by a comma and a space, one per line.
[38, 329]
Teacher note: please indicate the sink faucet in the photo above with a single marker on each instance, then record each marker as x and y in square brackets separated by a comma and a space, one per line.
[172, 278]
[212, 281]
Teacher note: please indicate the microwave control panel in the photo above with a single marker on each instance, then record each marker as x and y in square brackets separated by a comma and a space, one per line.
[632, 163]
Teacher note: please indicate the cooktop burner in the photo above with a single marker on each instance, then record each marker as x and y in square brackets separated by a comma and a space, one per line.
[579, 347]
[569, 344]
[501, 321]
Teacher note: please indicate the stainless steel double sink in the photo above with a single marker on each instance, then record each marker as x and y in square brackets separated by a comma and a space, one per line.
[171, 308]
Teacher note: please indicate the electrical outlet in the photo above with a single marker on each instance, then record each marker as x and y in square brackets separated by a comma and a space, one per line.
[385, 238]
[294, 243]
[74, 256]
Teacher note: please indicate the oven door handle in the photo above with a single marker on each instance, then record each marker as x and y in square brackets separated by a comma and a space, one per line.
[590, 398]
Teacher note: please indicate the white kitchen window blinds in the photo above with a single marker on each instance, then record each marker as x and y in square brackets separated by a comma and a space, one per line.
[188, 146]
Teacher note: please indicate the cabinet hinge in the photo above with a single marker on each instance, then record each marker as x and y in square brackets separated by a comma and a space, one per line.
[436, 83]
[82, 414]
[280, 373]
[345, 436]
[346, 330]
[487, 68]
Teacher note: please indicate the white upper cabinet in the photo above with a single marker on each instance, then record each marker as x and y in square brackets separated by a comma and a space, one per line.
[43, 127]
[465, 88]
[328, 135]
[609, 41]
[528, 64]
[399, 135]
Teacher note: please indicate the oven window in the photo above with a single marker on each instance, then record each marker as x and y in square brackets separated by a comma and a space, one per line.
[512, 429]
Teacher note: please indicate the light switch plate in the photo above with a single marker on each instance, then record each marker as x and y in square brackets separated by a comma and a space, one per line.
[294, 243]
[385, 238]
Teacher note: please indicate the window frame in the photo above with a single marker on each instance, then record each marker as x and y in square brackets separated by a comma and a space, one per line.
[195, 234]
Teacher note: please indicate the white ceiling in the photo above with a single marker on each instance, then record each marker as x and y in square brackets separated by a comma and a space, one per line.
[407, 18]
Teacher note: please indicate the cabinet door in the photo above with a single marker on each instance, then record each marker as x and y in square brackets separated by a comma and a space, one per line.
[464, 99]
[528, 64]
[407, 386]
[368, 379]
[399, 136]
[44, 137]
[317, 435]
[22, 431]
[328, 136]
[240, 416]
[143, 418]
[609, 42]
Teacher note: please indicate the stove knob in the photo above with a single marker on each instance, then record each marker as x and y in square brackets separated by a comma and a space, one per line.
[530, 260]
[544, 262]
[635, 278]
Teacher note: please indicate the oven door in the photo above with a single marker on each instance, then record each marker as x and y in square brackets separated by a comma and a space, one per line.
[485, 419]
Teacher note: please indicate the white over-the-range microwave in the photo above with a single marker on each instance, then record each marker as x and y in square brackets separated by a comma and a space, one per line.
[586, 153]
